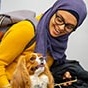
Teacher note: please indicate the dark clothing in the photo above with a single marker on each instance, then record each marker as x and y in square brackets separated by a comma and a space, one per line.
[75, 69]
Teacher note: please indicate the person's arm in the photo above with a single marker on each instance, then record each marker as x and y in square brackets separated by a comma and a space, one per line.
[39, 16]
[12, 45]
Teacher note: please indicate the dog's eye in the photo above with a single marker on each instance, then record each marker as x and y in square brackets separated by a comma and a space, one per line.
[41, 58]
[32, 58]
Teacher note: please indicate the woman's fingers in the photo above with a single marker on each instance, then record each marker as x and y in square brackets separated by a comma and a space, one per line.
[67, 75]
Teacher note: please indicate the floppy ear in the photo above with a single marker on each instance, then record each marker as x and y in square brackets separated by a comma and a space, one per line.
[50, 76]
[20, 77]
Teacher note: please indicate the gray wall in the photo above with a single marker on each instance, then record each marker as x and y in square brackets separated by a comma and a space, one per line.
[78, 41]
[0, 4]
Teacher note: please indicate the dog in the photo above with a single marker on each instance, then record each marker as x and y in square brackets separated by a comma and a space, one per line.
[32, 72]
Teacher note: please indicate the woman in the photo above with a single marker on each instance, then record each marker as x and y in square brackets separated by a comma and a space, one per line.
[53, 31]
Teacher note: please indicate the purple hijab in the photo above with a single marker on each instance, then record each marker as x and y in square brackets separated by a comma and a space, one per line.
[57, 46]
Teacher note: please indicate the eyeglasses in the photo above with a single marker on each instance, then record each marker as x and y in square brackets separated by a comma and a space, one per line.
[59, 20]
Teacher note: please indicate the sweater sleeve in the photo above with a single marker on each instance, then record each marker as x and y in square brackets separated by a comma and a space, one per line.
[12, 45]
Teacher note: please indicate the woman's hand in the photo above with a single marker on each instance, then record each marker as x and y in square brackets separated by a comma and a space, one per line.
[67, 75]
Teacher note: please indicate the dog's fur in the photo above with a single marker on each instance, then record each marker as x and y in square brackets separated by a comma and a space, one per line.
[32, 72]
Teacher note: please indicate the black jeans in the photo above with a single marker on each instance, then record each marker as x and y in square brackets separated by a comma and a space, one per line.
[75, 69]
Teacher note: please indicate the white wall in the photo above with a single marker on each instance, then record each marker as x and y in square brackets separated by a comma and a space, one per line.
[78, 42]
[0, 4]
[35, 5]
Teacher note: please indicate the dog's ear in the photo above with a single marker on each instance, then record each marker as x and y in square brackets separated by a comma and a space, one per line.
[50, 76]
[21, 77]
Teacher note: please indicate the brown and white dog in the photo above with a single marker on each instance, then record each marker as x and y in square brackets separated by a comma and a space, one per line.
[32, 72]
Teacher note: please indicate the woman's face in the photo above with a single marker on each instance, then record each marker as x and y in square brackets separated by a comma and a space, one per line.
[61, 23]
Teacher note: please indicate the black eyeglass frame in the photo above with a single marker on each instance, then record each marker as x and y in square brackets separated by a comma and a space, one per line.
[59, 20]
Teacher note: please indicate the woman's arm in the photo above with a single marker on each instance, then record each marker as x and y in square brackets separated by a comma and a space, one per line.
[12, 45]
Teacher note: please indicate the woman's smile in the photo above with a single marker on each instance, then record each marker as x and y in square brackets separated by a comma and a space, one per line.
[56, 31]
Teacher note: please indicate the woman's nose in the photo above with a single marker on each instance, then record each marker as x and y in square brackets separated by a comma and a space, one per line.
[62, 27]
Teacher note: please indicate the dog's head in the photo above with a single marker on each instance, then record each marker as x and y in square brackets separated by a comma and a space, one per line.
[35, 63]
[27, 65]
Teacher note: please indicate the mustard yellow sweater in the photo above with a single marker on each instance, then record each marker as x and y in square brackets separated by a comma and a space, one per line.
[12, 46]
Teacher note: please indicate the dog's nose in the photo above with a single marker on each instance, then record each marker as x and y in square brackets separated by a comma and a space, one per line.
[42, 63]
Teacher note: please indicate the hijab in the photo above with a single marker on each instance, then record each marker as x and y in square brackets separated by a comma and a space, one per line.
[57, 46]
